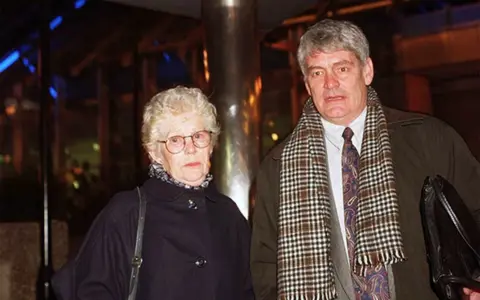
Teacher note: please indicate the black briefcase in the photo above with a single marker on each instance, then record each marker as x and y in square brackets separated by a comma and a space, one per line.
[452, 239]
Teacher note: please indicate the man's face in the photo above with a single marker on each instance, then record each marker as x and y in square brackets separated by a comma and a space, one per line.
[337, 82]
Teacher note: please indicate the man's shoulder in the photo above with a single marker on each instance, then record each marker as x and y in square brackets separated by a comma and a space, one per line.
[271, 161]
[397, 117]
[276, 152]
[398, 120]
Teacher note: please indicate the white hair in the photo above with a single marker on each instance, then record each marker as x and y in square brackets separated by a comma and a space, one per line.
[175, 101]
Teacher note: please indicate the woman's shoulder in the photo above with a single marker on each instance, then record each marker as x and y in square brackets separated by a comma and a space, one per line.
[116, 222]
[123, 204]
[227, 203]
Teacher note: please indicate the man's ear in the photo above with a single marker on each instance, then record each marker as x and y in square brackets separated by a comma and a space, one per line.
[307, 87]
[368, 71]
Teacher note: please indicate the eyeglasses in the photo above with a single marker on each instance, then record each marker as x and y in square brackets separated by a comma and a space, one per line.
[176, 144]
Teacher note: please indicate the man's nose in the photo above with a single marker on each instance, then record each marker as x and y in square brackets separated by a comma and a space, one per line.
[331, 81]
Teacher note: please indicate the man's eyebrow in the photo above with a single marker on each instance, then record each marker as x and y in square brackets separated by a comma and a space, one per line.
[338, 63]
[344, 62]
[314, 67]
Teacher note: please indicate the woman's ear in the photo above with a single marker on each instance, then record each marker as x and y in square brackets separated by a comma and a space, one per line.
[155, 156]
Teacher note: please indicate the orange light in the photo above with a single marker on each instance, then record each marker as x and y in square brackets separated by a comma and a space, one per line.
[11, 110]
[258, 85]
[205, 65]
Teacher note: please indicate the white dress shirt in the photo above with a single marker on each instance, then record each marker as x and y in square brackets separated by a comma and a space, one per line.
[334, 144]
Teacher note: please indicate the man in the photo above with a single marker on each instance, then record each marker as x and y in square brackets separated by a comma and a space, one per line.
[337, 207]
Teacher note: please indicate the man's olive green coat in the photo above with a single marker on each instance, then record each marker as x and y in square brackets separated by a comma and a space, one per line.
[421, 146]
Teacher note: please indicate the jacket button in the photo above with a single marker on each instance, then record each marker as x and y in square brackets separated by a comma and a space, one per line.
[192, 204]
[200, 262]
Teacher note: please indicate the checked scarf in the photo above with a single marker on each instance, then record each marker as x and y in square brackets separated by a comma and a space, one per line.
[305, 268]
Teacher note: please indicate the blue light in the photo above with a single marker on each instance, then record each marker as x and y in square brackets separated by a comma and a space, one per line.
[24, 48]
[15, 55]
[79, 4]
[9, 60]
[53, 93]
[27, 64]
[55, 22]
[166, 56]
[32, 69]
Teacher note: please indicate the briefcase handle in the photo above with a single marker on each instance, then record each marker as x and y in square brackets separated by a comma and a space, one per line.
[465, 282]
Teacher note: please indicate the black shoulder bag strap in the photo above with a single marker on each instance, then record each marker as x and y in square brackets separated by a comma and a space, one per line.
[137, 257]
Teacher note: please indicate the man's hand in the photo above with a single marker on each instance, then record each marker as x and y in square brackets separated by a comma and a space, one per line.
[470, 294]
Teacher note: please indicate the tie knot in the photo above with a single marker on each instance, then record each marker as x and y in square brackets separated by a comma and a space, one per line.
[347, 134]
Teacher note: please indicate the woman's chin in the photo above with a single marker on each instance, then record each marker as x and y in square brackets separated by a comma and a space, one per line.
[193, 179]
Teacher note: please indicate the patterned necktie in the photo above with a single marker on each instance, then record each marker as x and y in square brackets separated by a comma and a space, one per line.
[375, 285]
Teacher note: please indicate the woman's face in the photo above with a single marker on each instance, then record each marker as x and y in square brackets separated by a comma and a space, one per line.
[189, 164]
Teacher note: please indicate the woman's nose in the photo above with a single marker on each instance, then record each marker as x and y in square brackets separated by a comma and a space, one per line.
[189, 146]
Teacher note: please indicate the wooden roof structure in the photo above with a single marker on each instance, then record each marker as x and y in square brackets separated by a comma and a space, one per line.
[107, 30]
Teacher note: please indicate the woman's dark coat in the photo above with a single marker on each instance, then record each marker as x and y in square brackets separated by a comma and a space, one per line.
[196, 246]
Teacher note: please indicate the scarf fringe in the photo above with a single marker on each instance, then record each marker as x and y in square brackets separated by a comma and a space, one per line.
[365, 262]
[324, 296]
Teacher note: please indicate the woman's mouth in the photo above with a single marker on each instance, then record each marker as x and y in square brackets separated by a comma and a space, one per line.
[193, 164]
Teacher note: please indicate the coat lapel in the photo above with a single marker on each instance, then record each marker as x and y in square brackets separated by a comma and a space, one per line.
[343, 279]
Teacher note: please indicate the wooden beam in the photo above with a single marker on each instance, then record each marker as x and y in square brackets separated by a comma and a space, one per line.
[300, 20]
[193, 37]
[147, 39]
[286, 45]
[363, 7]
[342, 11]
[283, 45]
[89, 58]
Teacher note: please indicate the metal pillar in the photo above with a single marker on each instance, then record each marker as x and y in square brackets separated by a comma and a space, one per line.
[58, 155]
[292, 60]
[44, 291]
[149, 89]
[103, 122]
[137, 110]
[296, 102]
[18, 146]
[235, 85]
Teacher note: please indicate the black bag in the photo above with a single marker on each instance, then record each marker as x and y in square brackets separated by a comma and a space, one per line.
[452, 239]
[63, 281]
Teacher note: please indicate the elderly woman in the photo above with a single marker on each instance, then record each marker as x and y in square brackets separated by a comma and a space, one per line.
[196, 241]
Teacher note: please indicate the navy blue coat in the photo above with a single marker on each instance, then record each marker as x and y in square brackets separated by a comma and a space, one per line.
[196, 246]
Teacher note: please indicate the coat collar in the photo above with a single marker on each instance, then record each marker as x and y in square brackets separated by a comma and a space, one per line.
[164, 191]
[395, 119]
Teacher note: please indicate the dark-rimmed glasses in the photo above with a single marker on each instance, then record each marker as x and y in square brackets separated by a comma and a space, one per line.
[175, 144]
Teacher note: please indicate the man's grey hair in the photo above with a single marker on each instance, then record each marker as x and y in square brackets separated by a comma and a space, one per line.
[332, 35]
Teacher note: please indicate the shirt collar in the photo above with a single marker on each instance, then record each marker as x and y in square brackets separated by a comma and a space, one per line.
[333, 132]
